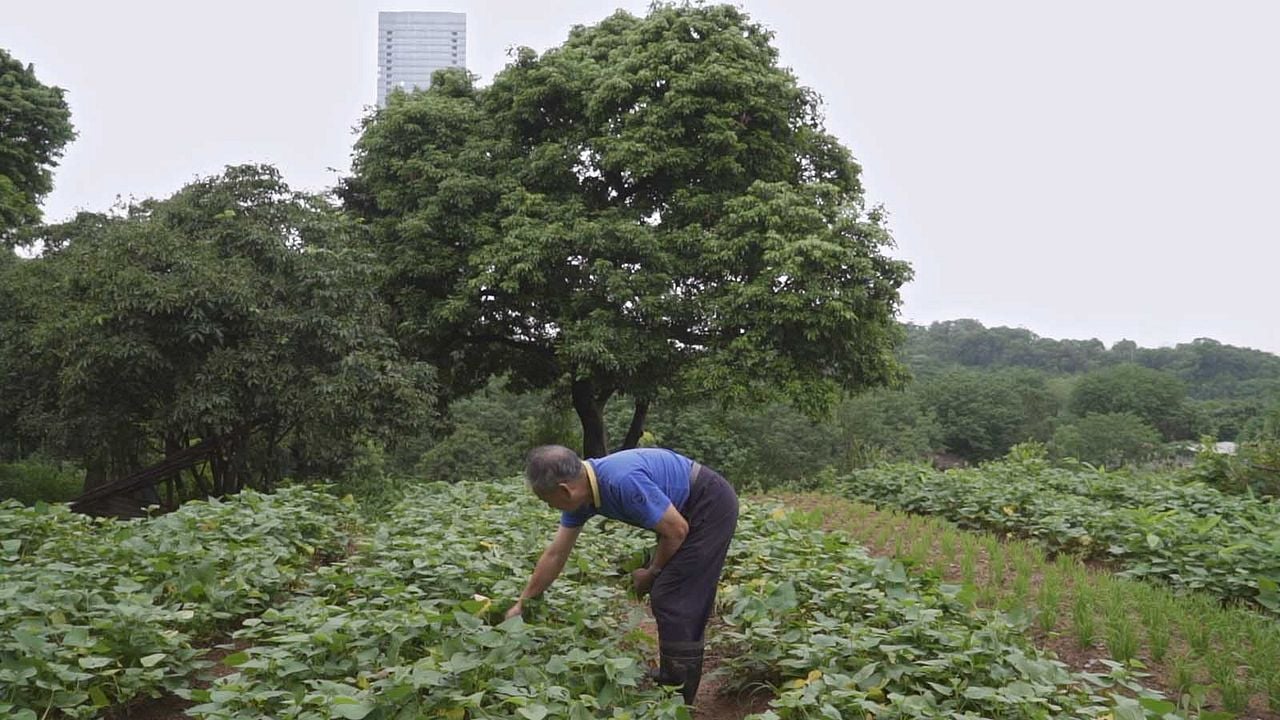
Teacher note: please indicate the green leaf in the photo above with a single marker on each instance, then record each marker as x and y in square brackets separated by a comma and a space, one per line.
[979, 693]
[534, 712]
[236, 659]
[1157, 706]
[151, 660]
[98, 697]
[350, 708]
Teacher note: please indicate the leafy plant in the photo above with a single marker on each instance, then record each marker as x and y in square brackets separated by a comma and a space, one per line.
[95, 612]
[1155, 527]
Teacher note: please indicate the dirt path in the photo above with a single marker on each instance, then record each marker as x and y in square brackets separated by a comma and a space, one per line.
[713, 702]
[172, 707]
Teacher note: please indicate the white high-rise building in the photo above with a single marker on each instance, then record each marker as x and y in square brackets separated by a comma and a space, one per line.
[412, 45]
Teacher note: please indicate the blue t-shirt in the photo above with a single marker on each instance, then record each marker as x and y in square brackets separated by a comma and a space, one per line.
[636, 486]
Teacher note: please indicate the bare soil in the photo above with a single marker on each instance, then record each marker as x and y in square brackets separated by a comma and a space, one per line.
[172, 707]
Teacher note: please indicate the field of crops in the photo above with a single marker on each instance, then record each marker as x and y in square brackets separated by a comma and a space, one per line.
[402, 618]
[94, 613]
[1189, 535]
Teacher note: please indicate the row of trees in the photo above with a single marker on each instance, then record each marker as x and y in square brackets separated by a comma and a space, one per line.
[1115, 415]
[1210, 370]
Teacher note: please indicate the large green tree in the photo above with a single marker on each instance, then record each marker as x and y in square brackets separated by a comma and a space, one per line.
[653, 207]
[236, 310]
[980, 415]
[1110, 439]
[35, 126]
[1156, 397]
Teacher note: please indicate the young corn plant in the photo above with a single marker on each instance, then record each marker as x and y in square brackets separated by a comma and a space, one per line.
[1266, 664]
[1082, 617]
[1022, 586]
[1198, 631]
[1182, 675]
[947, 545]
[919, 549]
[1156, 620]
[1048, 599]
[997, 560]
[969, 565]
[1233, 688]
[1271, 685]
[988, 595]
[1122, 641]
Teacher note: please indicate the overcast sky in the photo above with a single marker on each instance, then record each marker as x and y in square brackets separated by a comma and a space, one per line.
[1089, 168]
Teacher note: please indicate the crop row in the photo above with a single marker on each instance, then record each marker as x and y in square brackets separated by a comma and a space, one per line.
[841, 634]
[412, 625]
[1159, 528]
[95, 612]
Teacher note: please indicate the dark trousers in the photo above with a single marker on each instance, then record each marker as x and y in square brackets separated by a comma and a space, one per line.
[684, 594]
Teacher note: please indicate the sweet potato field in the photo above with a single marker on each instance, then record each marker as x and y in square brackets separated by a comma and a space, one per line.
[1152, 527]
[332, 616]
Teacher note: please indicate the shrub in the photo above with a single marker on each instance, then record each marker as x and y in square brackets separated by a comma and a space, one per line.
[39, 480]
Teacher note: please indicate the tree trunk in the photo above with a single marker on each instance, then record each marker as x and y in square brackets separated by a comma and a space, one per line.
[219, 469]
[172, 444]
[636, 430]
[595, 442]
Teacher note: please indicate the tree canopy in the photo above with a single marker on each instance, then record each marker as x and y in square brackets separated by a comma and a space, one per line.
[1110, 439]
[1154, 396]
[653, 207]
[236, 309]
[980, 415]
[35, 126]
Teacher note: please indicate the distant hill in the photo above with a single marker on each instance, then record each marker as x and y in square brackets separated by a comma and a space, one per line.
[1211, 370]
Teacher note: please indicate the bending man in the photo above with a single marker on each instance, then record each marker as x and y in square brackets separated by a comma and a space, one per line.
[694, 512]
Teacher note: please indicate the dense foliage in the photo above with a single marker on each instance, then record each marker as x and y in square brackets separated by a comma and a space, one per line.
[96, 612]
[35, 126]
[409, 624]
[1208, 368]
[1189, 535]
[652, 208]
[1155, 397]
[844, 635]
[950, 411]
[1107, 439]
[236, 310]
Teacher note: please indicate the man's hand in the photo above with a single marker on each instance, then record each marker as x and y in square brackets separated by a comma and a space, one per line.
[642, 580]
[516, 609]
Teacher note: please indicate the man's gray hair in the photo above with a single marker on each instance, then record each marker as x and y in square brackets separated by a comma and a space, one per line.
[549, 465]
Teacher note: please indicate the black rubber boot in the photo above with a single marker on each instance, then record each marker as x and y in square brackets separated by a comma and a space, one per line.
[681, 664]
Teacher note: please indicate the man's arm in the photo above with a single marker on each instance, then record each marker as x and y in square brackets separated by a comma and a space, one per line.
[672, 529]
[549, 566]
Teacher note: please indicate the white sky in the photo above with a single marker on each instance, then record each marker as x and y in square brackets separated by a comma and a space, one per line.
[1082, 169]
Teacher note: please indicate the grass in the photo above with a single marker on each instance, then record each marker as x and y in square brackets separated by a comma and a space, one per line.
[1193, 648]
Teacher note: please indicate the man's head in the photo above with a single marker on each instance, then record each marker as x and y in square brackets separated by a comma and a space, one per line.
[556, 475]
